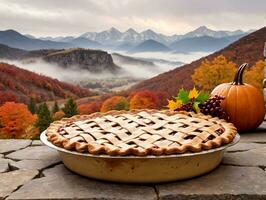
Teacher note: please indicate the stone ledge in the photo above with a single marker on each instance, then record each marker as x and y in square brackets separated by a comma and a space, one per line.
[39, 174]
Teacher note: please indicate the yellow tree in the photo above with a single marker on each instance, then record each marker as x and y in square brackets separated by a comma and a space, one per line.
[212, 73]
[255, 75]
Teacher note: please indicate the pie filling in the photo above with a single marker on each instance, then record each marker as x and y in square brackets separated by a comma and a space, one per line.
[141, 133]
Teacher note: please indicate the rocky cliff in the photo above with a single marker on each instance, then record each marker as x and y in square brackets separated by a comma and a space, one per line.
[91, 60]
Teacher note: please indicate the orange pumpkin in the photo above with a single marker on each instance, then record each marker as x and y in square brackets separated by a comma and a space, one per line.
[243, 103]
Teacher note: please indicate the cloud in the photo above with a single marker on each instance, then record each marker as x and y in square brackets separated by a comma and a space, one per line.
[68, 17]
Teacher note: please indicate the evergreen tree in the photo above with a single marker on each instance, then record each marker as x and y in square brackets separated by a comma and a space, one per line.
[70, 108]
[32, 106]
[55, 108]
[44, 117]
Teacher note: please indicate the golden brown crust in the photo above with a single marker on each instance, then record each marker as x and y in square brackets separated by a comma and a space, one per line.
[194, 145]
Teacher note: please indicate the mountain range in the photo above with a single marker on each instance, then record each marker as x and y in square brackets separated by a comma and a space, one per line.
[247, 49]
[132, 41]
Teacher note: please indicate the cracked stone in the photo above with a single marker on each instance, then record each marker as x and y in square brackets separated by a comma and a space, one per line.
[10, 181]
[13, 145]
[226, 182]
[254, 157]
[77, 187]
[34, 164]
[58, 170]
[4, 167]
[35, 153]
[245, 147]
[36, 143]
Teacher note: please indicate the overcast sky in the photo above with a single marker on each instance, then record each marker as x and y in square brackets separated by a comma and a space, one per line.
[73, 17]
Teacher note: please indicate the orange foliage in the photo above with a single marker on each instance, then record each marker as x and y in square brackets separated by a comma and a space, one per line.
[115, 103]
[16, 121]
[86, 109]
[58, 115]
[255, 75]
[144, 100]
[212, 73]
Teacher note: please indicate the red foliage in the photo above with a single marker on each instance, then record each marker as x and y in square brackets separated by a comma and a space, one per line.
[86, 109]
[25, 84]
[6, 96]
[15, 120]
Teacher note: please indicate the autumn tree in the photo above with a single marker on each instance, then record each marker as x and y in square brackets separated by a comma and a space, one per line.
[144, 100]
[70, 108]
[44, 117]
[58, 115]
[16, 121]
[212, 73]
[55, 107]
[115, 103]
[32, 106]
[255, 75]
[89, 108]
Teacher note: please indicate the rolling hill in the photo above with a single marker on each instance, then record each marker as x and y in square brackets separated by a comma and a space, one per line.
[15, 39]
[202, 43]
[24, 84]
[247, 49]
[150, 46]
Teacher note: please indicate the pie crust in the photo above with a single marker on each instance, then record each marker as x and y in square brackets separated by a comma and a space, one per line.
[141, 132]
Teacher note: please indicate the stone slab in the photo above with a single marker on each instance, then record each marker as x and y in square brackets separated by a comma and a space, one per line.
[13, 145]
[258, 137]
[58, 170]
[36, 143]
[34, 164]
[10, 181]
[226, 182]
[35, 153]
[4, 167]
[77, 187]
[245, 147]
[254, 157]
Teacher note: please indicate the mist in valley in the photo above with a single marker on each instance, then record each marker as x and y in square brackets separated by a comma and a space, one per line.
[128, 75]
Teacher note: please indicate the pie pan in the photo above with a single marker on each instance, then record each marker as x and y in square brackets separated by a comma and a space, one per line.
[141, 169]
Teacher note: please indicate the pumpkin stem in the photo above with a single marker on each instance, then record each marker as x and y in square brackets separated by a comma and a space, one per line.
[238, 80]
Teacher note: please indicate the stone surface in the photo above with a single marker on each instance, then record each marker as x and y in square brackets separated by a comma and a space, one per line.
[34, 164]
[13, 145]
[4, 167]
[58, 170]
[258, 136]
[226, 182]
[36, 143]
[35, 153]
[10, 181]
[245, 147]
[76, 187]
[1, 155]
[254, 157]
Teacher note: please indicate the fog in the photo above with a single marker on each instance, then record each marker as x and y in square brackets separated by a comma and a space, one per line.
[75, 74]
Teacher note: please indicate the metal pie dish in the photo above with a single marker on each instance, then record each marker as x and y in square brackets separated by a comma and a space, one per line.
[141, 169]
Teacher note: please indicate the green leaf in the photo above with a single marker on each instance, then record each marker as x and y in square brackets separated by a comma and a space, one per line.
[202, 97]
[183, 96]
[196, 106]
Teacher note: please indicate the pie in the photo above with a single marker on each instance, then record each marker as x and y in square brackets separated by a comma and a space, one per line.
[141, 132]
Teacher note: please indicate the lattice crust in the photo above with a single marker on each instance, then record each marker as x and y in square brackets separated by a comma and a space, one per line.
[141, 132]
